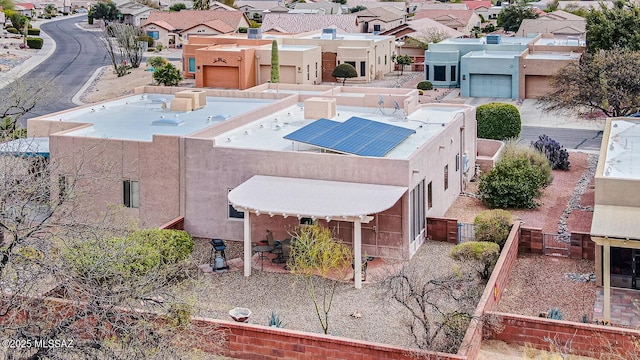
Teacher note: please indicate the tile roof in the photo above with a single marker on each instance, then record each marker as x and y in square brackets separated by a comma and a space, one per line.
[552, 26]
[461, 16]
[329, 7]
[423, 5]
[561, 15]
[217, 25]
[381, 13]
[474, 4]
[186, 19]
[257, 4]
[425, 28]
[216, 5]
[299, 23]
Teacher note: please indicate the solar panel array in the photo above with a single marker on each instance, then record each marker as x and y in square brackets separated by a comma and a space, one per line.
[356, 136]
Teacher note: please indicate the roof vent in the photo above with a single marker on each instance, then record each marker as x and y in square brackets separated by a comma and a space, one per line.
[168, 121]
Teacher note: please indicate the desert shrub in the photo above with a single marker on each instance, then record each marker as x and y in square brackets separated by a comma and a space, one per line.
[480, 255]
[498, 121]
[148, 39]
[157, 61]
[424, 85]
[514, 150]
[12, 30]
[33, 31]
[512, 183]
[167, 75]
[493, 226]
[420, 92]
[242, 30]
[174, 245]
[34, 43]
[556, 154]
[90, 20]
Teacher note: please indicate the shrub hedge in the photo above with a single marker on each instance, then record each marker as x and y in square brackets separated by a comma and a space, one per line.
[424, 85]
[498, 121]
[34, 43]
[12, 30]
[33, 31]
[481, 254]
[493, 226]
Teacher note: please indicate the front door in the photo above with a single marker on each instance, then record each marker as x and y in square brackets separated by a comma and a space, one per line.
[635, 280]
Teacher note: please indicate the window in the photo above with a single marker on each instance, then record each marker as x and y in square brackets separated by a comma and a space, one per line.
[417, 210]
[352, 63]
[378, 60]
[316, 69]
[308, 71]
[429, 196]
[453, 73]
[232, 212]
[426, 72]
[446, 176]
[363, 68]
[385, 59]
[306, 221]
[131, 193]
[457, 161]
[439, 73]
[154, 34]
[192, 65]
[376, 27]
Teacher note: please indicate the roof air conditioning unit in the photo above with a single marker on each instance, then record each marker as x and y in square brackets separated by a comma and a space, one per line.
[493, 39]
[254, 33]
[328, 34]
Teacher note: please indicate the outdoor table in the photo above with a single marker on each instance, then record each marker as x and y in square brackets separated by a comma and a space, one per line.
[261, 249]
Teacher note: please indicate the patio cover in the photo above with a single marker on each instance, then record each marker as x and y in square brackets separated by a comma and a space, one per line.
[313, 198]
[619, 222]
[283, 196]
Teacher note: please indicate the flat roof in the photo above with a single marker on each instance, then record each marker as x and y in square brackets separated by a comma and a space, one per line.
[553, 55]
[560, 42]
[493, 54]
[504, 40]
[347, 36]
[267, 133]
[132, 117]
[623, 150]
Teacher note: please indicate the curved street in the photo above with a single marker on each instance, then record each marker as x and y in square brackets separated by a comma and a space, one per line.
[77, 55]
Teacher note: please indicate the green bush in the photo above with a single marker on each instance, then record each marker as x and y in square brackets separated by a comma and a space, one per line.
[167, 75]
[425, 85]
[242, 30]
[149, 40]
[34, 43]
[514, 150]
[512, 183]
[33, 31]
[12, 30]
[90, 20]
[481, 255]
[174, 245]
[493, 226]
[498, 121]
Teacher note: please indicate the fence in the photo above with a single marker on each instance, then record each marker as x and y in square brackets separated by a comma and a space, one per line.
[553, 245]
[466, 232]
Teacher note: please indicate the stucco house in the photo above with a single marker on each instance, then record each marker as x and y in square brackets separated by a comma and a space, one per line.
[306, 58]
[134, 13]
[172, 28]
[254, 8]
[320, 7]
[234, 164]
[461, 20]
[615, 228]
[501, 67]
[381, 19]
[560, 24]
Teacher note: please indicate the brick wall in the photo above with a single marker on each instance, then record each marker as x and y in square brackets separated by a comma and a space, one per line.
[175, 224]
[531, 241]
[582, 247]
[585, 339]
[442, 229]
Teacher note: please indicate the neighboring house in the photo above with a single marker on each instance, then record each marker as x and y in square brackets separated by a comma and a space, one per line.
[134, 13]
[615, 228]
[488, 12]
[560, 24]
[414, 37]
[435, 5]
[501, 67]
[254, 8]
[171, 28]
[300, 23]
[381, 19]
[29, 10]
[216, 5]
[237, 62]
[237, 164]
[475, 4]
[321, 7]
[461, 20]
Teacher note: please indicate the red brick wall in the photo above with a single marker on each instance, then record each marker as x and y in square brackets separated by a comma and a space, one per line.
[582, 247]
[586, 339]
[247, 341]
[531, 241]
[442, 229]
[175, 224]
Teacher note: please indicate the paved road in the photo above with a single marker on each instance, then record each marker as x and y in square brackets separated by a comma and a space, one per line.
[577, 139]
[78, 54]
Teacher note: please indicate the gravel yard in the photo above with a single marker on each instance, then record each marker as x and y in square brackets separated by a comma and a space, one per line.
[537, 284]
[264, 292]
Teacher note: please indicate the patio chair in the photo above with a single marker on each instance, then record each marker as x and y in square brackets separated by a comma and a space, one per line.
[270, 241]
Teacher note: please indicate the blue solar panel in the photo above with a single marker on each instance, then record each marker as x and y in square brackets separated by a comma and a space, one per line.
[356, 136]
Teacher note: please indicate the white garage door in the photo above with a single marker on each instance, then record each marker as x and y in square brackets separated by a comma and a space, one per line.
[498, 86]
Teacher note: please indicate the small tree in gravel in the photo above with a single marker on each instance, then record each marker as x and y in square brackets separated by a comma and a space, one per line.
[344, 71]
[439, 310]
[480, 255]
[316, 255]
[167, 75]
[493, 226]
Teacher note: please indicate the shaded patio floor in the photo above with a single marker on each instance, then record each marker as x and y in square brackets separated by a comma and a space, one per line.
[623, 310]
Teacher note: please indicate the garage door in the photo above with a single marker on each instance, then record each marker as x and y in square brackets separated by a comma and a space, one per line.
[498, 86]
[536, 85]
[221, 77]
[288, 74]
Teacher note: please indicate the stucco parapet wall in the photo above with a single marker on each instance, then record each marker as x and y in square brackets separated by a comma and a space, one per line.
[150, 89]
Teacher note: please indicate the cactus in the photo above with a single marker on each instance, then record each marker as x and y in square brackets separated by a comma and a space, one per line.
[275, 321]
[554, 314]
[557, 155]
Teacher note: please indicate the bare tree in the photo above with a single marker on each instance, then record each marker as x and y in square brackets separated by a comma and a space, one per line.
[19, 98]
[113, 286]
[439, 310]
[124, 47]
